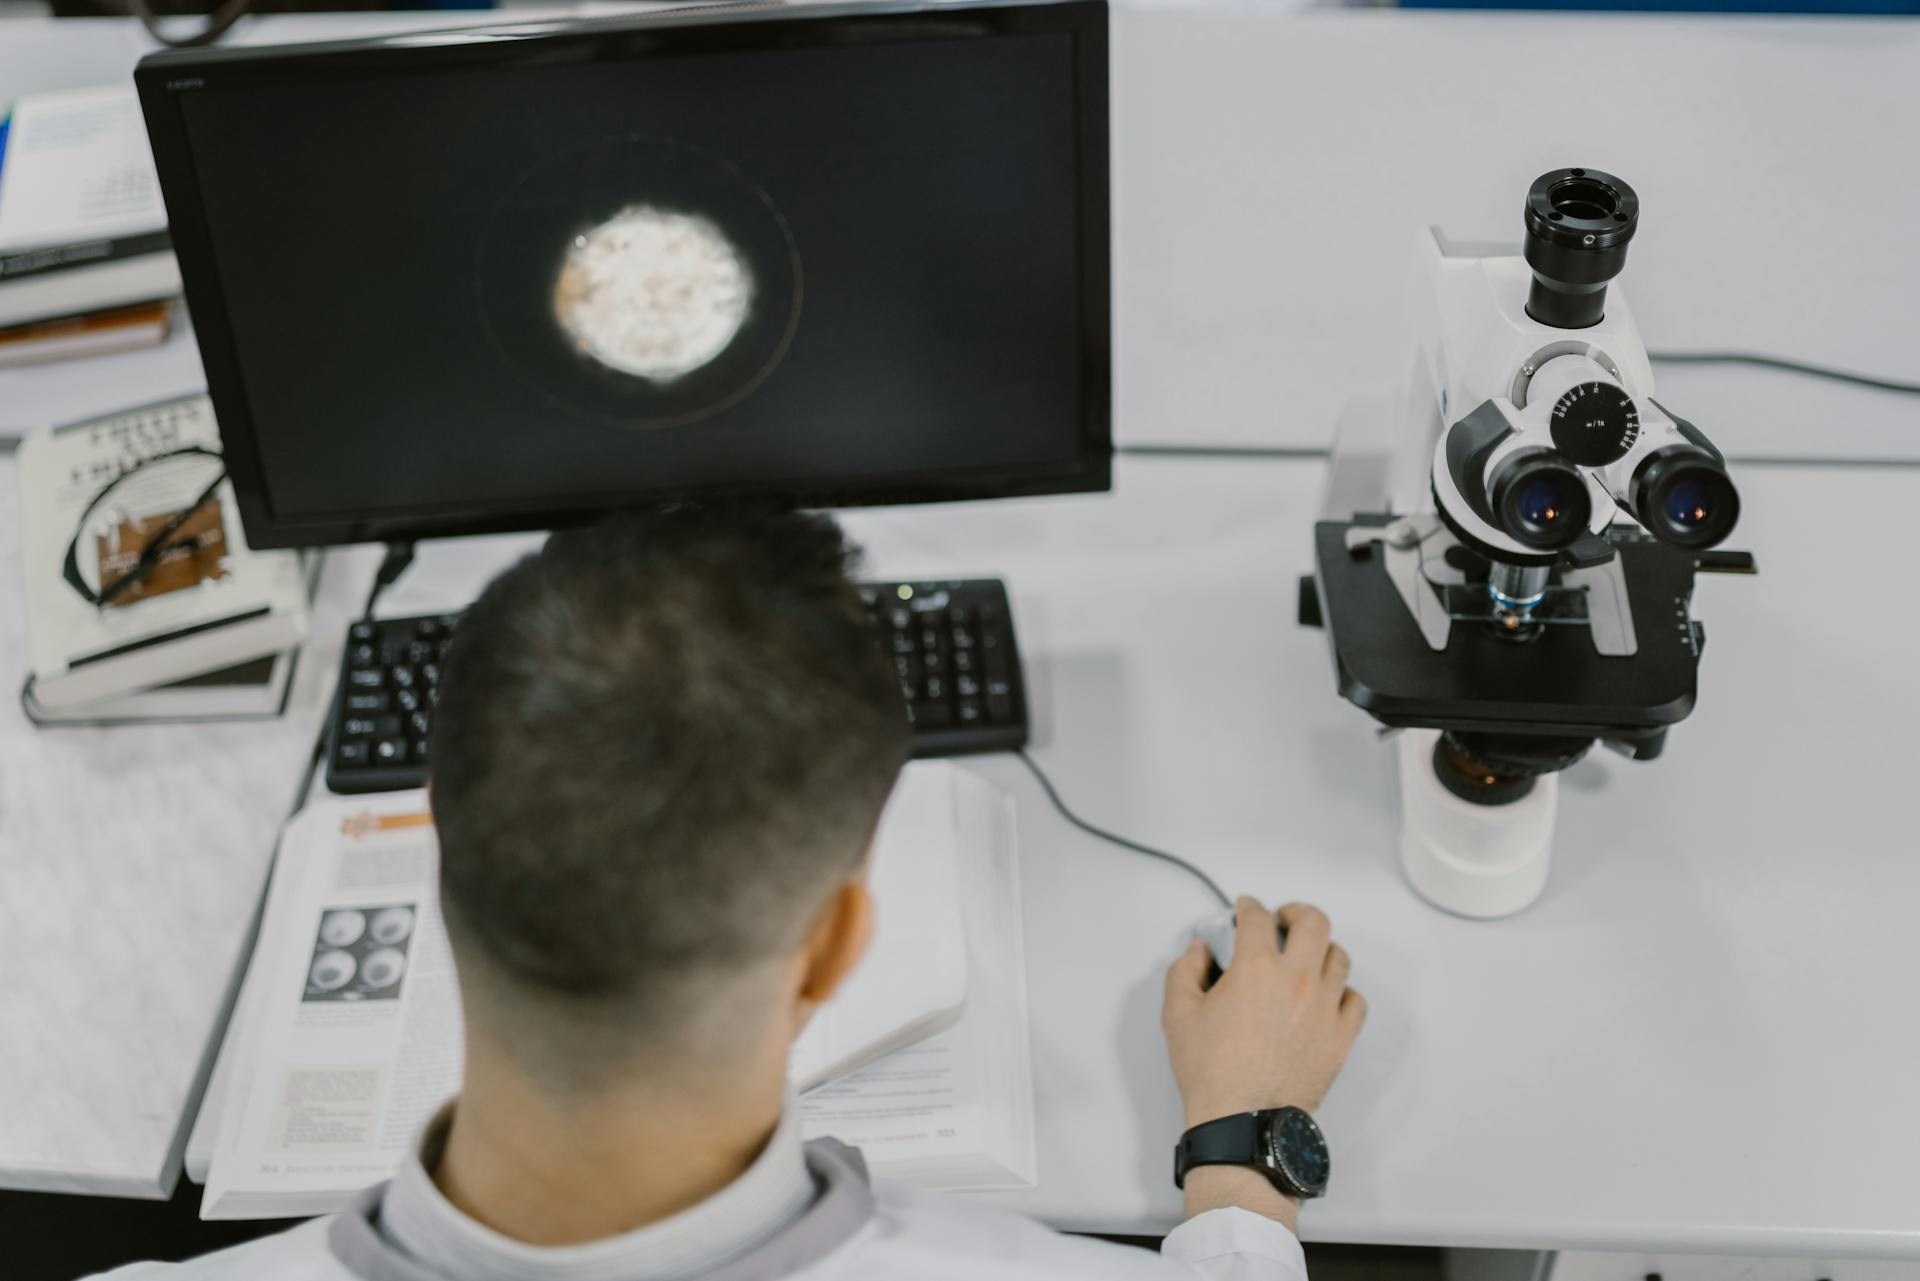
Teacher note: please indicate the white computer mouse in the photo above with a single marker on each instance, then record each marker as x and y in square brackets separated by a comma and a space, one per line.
[1216, 931]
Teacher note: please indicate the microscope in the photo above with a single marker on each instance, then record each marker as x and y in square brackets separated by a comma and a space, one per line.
[1525, 589]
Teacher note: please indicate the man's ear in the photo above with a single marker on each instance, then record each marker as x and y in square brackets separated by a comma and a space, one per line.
[837, 942]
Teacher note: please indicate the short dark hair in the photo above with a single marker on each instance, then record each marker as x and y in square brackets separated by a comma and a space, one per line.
[659, 743]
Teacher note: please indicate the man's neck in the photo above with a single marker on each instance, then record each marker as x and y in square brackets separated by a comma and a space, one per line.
[561, 1173]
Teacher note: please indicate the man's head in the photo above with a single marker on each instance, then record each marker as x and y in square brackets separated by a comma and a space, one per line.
[660, 750]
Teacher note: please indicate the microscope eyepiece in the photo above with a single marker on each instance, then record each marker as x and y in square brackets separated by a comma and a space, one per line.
[1578, 224]
[1684, 497]
[1540, 499]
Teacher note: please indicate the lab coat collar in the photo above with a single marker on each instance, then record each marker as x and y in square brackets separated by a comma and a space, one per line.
[842, 1205]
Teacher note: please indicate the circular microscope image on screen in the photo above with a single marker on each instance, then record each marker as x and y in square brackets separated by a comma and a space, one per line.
[653, 293]
[639, 282]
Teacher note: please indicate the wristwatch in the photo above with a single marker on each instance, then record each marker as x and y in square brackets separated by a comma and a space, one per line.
[1282, 1143]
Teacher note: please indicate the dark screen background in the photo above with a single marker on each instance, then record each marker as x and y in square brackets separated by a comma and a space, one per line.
[927, 190]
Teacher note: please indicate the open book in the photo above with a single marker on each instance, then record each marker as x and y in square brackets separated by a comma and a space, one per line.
[345, 1038]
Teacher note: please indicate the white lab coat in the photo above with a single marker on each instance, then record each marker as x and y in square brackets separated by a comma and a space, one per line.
[853, 1232]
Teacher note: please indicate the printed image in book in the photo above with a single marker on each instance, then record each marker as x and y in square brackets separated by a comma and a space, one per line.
[195, 552]
[360, 954]
[164, 497]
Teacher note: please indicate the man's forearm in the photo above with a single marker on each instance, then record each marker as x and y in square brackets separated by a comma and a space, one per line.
[1214, 1187]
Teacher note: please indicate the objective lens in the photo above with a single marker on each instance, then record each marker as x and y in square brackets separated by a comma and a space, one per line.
[1540, 499]
[1685, 498]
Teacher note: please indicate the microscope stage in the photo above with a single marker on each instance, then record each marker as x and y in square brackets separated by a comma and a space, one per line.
[1554, 683]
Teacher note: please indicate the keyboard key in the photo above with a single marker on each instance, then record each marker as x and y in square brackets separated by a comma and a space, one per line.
[902, 643]
[969, 711]
[966, 687]
[962, 638]
[409, 700]
[366, 678]
[366, 702]
[901, 619]
[936, 688]
[390, 751]
[361, 656]
[351, 753]
[428, 627]
[403, 676]
[932, 715]
[421, 723]
[420, 652]
[1000, 700]
[963, 660]
[361, 632]
[432, 673]
[929, 638]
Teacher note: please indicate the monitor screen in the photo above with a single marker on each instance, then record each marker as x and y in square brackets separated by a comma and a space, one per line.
[514, 277]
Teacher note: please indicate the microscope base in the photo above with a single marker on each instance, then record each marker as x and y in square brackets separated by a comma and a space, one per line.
[1472, 860]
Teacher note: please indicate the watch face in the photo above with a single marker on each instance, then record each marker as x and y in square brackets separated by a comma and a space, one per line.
[1300, 1151]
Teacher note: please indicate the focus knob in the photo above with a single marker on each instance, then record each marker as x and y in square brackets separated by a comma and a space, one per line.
[1595, 424]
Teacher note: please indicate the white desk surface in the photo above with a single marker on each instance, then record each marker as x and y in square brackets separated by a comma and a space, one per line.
[131, 860]
[1270, 166]
[1701, 1038]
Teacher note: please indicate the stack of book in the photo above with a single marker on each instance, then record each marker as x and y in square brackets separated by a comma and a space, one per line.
[143, 600]
[86, 265]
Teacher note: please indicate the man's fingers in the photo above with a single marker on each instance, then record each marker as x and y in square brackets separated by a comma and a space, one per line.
[1338, 966]
[1254, 929]
[1353, 1009]
[1308, 933]
[1187, 976]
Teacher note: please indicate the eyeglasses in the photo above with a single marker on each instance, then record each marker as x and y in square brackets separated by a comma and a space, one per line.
[179, 490]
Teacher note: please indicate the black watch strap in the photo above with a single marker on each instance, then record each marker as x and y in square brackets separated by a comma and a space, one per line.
[1230, 1140]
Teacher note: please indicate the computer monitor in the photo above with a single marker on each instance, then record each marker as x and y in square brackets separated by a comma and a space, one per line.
[518, 275]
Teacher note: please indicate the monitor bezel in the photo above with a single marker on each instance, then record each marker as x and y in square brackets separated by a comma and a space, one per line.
[163, 78]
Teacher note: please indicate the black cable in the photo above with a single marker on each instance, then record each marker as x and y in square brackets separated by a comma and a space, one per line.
[1046, 785]
[218, 23]
[1784, 365]
[394, 564]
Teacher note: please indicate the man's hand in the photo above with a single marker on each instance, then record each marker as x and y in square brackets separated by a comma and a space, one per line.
[1272, 1032]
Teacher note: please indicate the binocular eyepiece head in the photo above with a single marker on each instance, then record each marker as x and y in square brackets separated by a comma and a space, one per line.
[1578, 224]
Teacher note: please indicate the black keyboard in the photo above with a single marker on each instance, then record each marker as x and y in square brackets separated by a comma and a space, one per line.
[950, 644]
